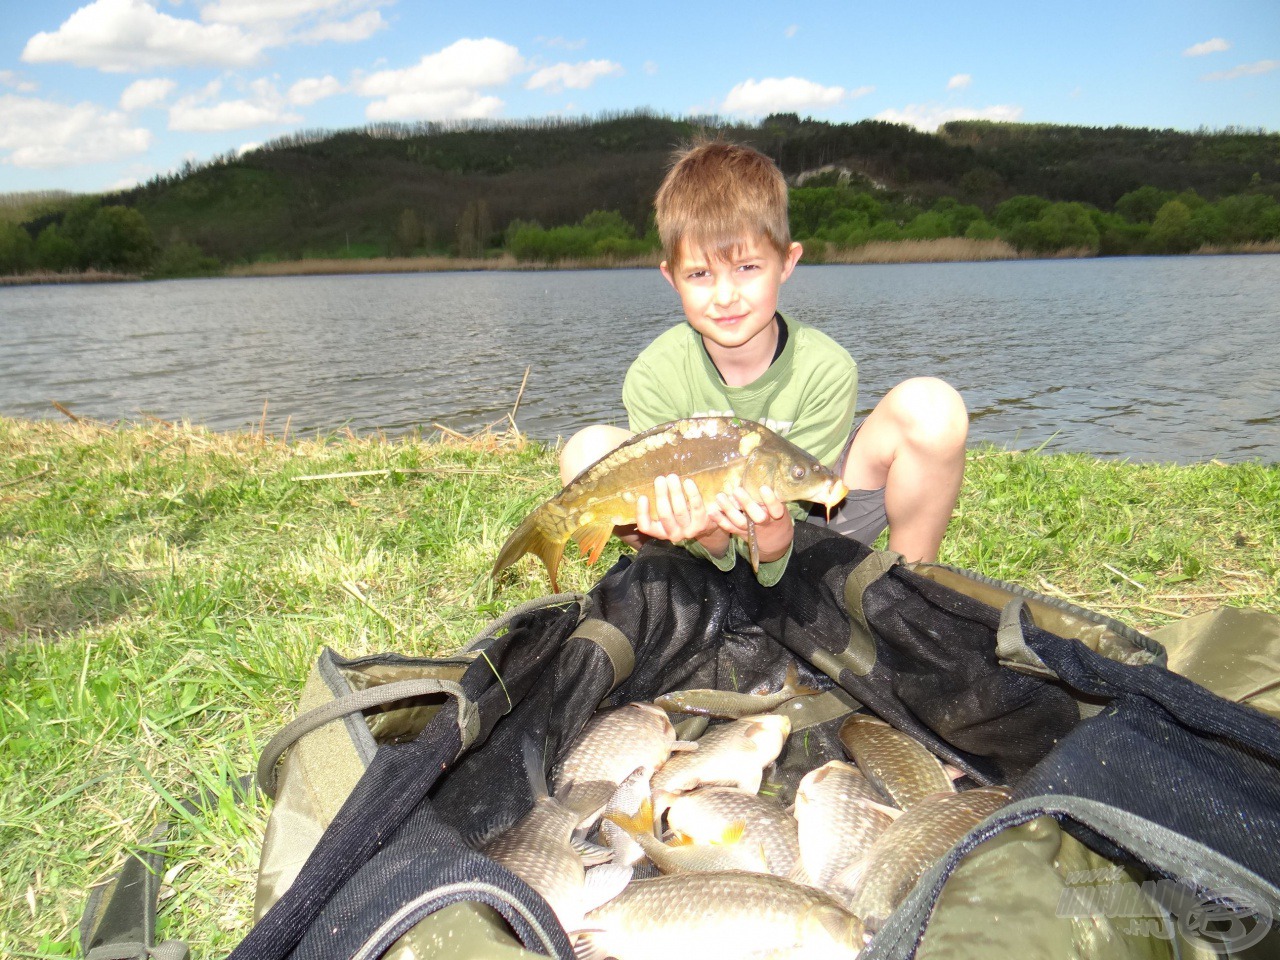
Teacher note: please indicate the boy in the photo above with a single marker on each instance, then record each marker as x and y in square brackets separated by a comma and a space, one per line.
[722, 217]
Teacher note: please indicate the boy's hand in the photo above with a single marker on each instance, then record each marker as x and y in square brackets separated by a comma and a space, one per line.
[774, 526]
[677, 512]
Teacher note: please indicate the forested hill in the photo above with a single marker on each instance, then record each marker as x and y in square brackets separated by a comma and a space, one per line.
[462, 189]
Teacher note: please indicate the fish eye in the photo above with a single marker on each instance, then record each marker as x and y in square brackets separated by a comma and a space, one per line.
[798, 472]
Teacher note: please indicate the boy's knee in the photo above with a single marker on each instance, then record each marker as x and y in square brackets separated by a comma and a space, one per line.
[932, 413]
[587, 446]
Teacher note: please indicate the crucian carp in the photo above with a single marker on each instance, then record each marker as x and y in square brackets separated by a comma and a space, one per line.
[717, 453]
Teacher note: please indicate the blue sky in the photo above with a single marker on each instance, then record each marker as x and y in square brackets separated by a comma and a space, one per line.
[99, 95]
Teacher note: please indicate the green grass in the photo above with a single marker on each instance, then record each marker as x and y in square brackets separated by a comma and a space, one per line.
[164, 591]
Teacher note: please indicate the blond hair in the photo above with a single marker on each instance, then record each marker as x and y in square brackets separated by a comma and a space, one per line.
[718, 195]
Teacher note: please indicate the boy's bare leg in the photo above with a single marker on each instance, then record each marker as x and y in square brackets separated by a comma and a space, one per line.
[912, 444]
[586, 447]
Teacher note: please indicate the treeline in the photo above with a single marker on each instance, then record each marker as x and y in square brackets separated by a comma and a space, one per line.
[836, 218]
[555, 189]
[89, 235]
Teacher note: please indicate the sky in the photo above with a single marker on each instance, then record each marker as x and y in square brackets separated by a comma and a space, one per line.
[100, 95]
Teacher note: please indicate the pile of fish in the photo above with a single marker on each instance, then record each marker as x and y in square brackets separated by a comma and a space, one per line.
[652, 846]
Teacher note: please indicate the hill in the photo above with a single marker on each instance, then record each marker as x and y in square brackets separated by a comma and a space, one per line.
[463, 188]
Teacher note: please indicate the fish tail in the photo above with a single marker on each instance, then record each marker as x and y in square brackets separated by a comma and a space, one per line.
[533, 767]
[531, 537]
[792, 685]
[640, 824]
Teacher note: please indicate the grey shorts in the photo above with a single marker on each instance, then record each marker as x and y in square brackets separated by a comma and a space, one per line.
[860, 515]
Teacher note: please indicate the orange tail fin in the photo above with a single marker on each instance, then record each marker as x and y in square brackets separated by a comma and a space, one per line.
[529, 538]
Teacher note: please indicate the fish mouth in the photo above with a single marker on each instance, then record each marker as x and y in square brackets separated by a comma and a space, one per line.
[835, 492]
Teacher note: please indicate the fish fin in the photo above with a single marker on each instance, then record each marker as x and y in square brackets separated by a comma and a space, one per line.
[534, 769]
[530, 538]
[892, 812]
[731, 834]
[792, 683]
[684, 746]
[642, 822]
[586, 799]
[753, 546]
[586, 948]
[601, 884]
[592, 538]
[592, 854]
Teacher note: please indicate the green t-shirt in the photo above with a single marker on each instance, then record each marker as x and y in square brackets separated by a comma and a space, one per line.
[807, 395]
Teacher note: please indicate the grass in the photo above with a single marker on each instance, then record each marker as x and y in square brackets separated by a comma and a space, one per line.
[164, 591]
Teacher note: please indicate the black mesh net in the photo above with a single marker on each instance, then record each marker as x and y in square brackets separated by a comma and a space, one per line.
[935, 676]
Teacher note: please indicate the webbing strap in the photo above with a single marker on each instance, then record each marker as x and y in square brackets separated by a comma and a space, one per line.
[612, 641]
[804, 712]
[168, 950]
[381, 695]
[1011, 644]
[859, 657]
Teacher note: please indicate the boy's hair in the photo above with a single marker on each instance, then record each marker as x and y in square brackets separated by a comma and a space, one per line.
[718, 194]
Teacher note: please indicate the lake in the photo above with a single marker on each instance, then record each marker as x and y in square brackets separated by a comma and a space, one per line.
[1154, 359]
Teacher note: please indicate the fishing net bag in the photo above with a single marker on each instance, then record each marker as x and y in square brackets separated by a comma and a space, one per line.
[1145, 819]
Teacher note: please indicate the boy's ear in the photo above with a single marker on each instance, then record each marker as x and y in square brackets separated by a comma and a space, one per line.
[792, 258]
[666, 272]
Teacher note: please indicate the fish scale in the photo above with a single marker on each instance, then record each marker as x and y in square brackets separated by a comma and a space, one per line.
[912, 844]
[838, 820]
[902, 767]
[729, 915]
[717, 453]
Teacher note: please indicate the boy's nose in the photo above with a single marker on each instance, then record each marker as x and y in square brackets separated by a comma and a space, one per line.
[726, 291]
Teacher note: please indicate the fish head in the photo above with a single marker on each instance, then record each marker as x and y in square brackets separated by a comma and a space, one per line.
[809, 785]
[791, 473]
[767, 731]
[655, 715]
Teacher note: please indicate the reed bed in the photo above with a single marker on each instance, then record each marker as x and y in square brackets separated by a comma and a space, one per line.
[164, 590]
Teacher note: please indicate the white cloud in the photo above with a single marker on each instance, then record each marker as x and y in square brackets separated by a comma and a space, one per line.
[246, 148]
[309, 91]
[650, 68]
[10, 79]
[444, 85]
[357, 28]
[772, 95]
[43, 133]
[930, 116]
[1216, 45]
[960, 81]
[145, 93]
[791, 31]
[1244, 70]
[130, 35]
[262, 106]
[574, 76]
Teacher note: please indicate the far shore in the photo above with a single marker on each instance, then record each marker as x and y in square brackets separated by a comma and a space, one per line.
[945, 250]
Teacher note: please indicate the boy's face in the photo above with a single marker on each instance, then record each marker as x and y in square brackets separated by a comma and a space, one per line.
[733, 300]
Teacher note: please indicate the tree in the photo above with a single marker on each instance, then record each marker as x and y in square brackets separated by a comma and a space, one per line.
[1020, 209]
[1142, 205]
[118, 238]
[54, 251]
[408, 232]
[15, 248]
[474, 229]
[1171, 232]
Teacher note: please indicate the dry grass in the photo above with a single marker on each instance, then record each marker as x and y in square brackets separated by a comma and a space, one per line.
[427, 265]
[76, 276]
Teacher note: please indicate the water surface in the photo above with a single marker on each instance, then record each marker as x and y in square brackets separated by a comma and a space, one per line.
[1171, 359]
